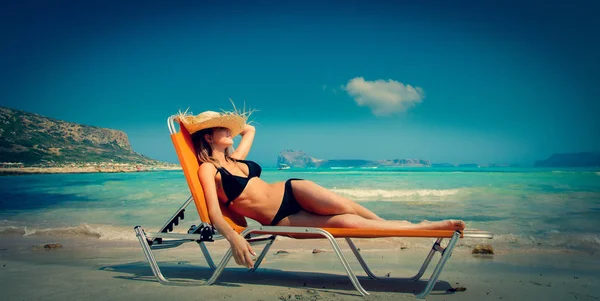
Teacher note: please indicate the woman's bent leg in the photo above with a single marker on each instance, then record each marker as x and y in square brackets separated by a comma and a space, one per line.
[308, 219]
[321, 201]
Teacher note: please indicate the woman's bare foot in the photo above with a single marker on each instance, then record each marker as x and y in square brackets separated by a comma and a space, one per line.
[443, 225]
[458, 224]
[429, 225]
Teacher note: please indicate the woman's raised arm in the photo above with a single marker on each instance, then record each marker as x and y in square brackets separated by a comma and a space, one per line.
[241, 248]
[241, 152]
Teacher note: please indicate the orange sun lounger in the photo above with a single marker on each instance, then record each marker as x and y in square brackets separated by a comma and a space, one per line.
[204, 232]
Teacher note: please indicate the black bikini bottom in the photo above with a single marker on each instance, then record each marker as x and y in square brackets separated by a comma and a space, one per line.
[289, 205]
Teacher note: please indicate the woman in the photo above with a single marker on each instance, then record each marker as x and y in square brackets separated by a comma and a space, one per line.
[227, 178]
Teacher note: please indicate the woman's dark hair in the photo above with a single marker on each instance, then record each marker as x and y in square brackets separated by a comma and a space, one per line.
[204, 150]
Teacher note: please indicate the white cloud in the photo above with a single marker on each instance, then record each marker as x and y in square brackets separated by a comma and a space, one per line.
[384, 97]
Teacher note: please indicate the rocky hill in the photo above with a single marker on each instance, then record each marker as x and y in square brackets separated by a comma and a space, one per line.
[32, 139]
[300, 159]
[297, 159]
[586, 159]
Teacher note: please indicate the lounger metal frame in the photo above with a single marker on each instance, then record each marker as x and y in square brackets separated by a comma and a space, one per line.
[167, 240]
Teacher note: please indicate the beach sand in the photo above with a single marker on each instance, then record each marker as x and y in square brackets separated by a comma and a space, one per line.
[93, 269]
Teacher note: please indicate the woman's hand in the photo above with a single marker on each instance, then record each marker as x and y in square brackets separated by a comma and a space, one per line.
[247, 128]
[242, 251]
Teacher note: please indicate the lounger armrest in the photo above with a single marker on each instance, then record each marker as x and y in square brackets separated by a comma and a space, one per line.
[196, 237]
[477, 234]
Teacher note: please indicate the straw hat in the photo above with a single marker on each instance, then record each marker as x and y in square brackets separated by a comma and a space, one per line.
[210, 119]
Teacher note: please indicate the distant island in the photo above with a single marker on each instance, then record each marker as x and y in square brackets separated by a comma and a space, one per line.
[300, 159]
[31, 143]
[584, 159]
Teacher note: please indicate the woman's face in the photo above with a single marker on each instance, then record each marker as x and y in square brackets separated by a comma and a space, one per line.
[222, 136]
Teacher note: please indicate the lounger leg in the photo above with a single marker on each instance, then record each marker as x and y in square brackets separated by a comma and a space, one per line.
[345, 263]
[148, 252]
[446, 253]
[221, 266]
[372, 275]
[427, 261]
[360, 259]
[262, 255]
[229, 254]
[275, 230]
[143, 239]
[207, 256]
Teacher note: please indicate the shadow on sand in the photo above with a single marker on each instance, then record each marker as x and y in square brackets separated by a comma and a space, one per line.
[183, 273]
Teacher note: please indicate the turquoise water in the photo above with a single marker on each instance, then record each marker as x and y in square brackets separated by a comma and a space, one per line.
[525, 208]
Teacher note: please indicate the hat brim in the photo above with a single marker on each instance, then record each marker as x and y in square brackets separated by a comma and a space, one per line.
[235, 123]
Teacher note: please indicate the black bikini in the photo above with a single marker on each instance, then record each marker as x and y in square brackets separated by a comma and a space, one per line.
[234, 185]
[289, 204]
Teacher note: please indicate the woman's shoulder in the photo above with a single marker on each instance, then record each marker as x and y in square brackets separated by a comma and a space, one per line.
[206, 167]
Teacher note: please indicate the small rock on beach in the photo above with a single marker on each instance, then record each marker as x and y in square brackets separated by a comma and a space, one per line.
[52, 246]
[483, 249]
[457, 289]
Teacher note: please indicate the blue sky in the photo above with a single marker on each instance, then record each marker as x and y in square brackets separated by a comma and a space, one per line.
[447, 81]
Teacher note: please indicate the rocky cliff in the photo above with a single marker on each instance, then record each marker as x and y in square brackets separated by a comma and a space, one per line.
[297, 159]
[301, 159]
[586, 159]
[36, 140]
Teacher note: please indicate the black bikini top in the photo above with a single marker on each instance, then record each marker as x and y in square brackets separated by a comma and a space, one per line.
[234, 185]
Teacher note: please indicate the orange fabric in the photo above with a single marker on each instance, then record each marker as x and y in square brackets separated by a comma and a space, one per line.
[189, 163]
[372, 233]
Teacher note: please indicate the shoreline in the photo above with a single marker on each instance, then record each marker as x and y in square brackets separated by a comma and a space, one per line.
[82, 170]
[11, 171]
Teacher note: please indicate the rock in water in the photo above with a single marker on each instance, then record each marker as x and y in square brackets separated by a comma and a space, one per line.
[483, 249]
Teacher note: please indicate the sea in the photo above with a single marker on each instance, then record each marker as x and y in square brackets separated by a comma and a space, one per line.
[542, 209]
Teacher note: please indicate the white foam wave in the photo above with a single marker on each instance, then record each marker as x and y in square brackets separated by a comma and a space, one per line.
[396, 193]
[12, 230]
[554, 239]
[104, 232]
[589, 238]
